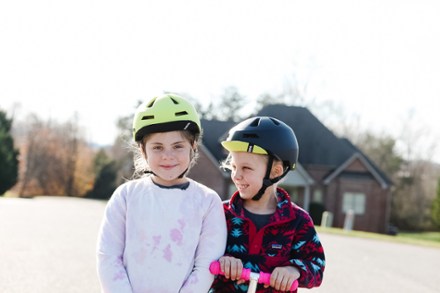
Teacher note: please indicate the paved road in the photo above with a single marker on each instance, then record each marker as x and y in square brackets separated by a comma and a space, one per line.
[365, 266]
[48, 245]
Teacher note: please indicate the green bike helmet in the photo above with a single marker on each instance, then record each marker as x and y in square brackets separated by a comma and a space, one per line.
[164, 113]
[265, 136]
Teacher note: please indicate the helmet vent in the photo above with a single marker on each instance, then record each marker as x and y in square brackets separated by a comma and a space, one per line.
[148, 117]
[275, 121]
[181, 113]
[256, 122]
[151, 103]
[174, 101]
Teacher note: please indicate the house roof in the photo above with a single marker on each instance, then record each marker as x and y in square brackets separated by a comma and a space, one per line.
[322, 146]
[317, 144]
[214, 132]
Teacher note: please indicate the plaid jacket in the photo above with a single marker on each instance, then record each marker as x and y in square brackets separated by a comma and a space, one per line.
[289, 239]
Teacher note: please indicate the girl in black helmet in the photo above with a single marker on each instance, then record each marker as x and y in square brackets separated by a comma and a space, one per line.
[266, 231]
[160, 232]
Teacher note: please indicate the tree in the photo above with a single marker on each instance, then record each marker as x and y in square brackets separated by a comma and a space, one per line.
[122, 150]
[101, 159]
[8, 155]
[229, 107]
[416, 180]
[56, 159]
[267, 99]
[106, 171]
[411, 203]
[231, 103]
[436, 207]
[382, 150]
[72, 152]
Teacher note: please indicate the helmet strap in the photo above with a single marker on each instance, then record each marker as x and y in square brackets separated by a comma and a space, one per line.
[191, 157]
[151, 172]
[183, 174]
[267, 181]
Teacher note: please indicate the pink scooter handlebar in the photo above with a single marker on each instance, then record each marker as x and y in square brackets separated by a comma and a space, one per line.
[264, 278]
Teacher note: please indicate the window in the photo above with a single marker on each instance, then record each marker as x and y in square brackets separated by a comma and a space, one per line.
[317, 196]
[355, 202]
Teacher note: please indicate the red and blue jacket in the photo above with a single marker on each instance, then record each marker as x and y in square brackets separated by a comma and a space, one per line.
[289, 239]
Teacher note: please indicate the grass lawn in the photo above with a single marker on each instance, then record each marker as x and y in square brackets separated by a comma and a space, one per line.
[9, 194]
[431, 239]
[425, 236]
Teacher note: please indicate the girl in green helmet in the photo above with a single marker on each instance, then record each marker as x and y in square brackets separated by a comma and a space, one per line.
[161, 232]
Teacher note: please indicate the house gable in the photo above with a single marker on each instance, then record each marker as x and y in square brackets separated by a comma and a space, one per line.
[357, 165]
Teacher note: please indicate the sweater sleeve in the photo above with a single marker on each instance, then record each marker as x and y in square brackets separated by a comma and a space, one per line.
[211, 246]
[111, 238]
[308, 254]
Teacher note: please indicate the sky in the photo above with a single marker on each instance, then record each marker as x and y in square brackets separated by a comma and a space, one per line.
[376, 60]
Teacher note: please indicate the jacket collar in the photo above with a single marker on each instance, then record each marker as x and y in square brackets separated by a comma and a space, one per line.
[283, 212]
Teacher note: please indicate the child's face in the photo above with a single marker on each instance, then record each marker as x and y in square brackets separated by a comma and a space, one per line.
[168, 155]
[247, 172]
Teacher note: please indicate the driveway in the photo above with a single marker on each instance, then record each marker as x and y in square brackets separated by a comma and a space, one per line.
[47, 245]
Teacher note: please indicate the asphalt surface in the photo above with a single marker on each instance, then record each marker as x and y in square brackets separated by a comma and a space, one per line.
[47, 244]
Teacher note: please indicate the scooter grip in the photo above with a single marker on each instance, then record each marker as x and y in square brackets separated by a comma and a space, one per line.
[215, 269]
[265, 279]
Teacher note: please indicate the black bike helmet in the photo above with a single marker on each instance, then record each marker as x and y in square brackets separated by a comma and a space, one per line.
[267, 136]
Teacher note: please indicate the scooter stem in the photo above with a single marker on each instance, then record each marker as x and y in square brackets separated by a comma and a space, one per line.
[253, 282]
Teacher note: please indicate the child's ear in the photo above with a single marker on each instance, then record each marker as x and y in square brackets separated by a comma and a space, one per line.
[277, 170]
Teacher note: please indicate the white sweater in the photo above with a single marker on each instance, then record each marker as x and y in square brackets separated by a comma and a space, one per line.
[158, 240]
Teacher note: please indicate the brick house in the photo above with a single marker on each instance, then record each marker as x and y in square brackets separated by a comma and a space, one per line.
[332, 173]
